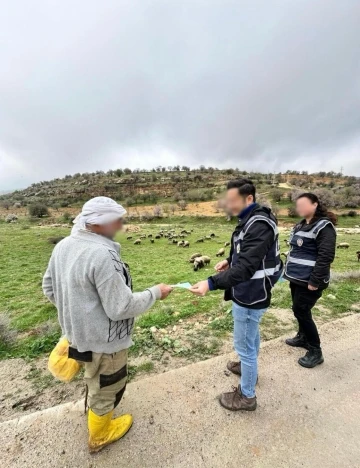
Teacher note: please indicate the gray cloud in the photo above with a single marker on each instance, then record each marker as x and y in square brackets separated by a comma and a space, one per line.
[260, 85]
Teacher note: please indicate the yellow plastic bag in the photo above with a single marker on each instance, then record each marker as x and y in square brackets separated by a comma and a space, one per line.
[60, 365]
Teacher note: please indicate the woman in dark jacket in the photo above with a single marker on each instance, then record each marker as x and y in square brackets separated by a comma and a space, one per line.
[312, 250]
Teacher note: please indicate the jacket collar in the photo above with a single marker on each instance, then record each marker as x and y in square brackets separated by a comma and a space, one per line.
[303, 224]
[247, 213]
[84, 234]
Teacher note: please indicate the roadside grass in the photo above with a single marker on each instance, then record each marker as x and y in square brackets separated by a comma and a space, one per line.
[41, 380]
[143, 368]
[24, 254]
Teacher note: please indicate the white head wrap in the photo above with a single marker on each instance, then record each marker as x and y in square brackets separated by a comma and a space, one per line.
[98, 210]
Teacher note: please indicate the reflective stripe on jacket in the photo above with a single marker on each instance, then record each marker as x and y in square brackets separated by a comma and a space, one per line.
[258, 287]
[304, 251]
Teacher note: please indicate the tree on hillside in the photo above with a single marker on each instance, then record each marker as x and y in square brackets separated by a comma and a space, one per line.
[294, 194]
[5, 204]
[127, 171]
[276, 195]
[325, 196]
[129, 202]
[158, 211]
[153, 197]
[38, 210]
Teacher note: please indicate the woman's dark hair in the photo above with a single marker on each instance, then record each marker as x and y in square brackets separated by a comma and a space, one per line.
[321, 210]
[245, 187]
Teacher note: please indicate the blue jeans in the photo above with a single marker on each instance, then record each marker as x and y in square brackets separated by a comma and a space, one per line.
[247, 345]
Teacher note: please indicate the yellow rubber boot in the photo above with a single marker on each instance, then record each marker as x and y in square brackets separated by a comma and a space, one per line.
[103, 430]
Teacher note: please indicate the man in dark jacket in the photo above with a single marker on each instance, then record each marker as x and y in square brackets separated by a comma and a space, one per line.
[247, 277]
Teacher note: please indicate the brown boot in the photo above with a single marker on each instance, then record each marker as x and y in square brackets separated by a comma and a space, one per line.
[236, 401]
[234, 367]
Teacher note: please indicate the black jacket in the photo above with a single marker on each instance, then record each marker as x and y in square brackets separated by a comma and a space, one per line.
[326, 244]
[256, 243]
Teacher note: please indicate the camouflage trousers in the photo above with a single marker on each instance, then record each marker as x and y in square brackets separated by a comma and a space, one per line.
[105, 378]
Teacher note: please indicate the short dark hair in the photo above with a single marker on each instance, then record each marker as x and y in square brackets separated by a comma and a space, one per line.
[245, 187]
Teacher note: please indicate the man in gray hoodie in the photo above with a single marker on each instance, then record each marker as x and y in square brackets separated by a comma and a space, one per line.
[91, 288]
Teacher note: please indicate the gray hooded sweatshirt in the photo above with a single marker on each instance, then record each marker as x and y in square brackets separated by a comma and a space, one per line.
[91, 288]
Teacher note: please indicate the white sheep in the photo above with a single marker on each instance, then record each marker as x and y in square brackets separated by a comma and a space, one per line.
[193, 256]
[343, 245]
[200, 262]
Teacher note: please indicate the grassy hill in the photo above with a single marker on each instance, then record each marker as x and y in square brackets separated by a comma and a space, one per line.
[169, 192]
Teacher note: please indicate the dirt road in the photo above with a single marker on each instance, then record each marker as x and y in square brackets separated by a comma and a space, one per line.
[305, 418]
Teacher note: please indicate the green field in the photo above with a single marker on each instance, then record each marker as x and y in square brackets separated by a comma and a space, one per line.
[188, 326]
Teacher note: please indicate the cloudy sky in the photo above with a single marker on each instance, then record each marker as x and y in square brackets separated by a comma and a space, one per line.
[257, 84]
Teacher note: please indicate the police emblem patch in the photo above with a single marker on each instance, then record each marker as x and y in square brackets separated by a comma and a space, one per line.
[299, 242]
[238, 248]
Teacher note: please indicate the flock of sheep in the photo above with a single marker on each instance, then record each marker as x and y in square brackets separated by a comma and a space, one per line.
[197, 259]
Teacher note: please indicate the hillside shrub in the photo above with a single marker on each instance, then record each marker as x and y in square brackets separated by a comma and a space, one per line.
[275, 209]
[10, 218]
[276, 195]
[325, 196]
[182, 204]
[147, 216]
[5, 204]
[67, 216]
[130, 202]
[158, 212]
[292, 212]
[38, 210]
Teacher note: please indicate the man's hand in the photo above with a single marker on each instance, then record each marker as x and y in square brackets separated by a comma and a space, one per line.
[200, 288]
[165, 290]
[312, 288]
[222, 266]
